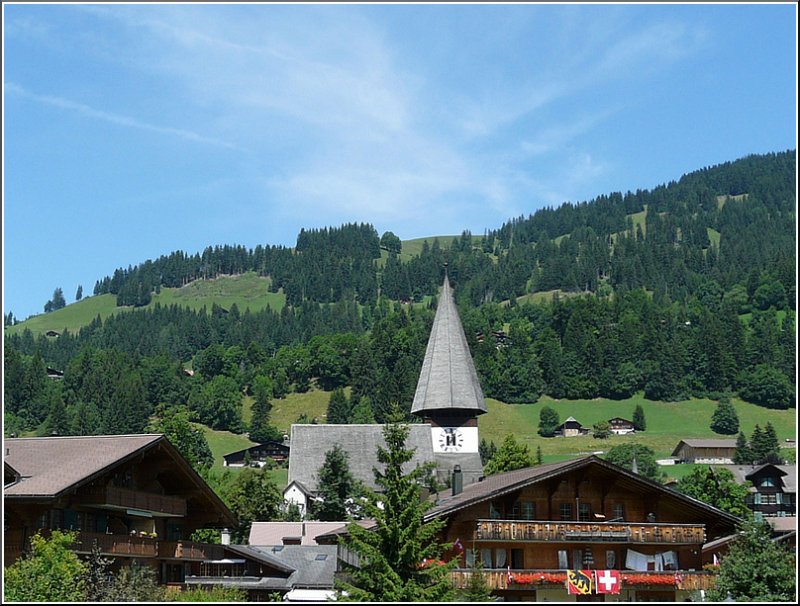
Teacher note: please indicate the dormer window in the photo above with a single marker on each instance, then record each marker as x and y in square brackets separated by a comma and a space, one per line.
[768, 482]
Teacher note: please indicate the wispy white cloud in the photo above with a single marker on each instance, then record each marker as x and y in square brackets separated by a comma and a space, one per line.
[121, 120]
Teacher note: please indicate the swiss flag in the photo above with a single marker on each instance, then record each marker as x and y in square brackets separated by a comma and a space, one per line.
[608, 581]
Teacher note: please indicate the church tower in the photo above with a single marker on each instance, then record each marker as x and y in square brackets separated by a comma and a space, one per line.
[449, 396]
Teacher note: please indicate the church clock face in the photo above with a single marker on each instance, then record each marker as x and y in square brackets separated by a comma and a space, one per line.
[451, 439]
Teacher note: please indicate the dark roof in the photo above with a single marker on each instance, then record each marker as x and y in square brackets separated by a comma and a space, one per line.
[504, 483]
[52, 466]
[700, 443]
[255, 447]
[310, 443]
[310, 569]
[448, 380]
[620, 419]
[743, 473]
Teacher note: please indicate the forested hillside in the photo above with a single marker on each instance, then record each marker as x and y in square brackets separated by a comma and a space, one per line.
[684, 290]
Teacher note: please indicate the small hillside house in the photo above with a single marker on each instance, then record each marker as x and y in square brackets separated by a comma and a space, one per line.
[258, 455]
[570, 428]
[772, 492]
[710, 452]
[620, 426]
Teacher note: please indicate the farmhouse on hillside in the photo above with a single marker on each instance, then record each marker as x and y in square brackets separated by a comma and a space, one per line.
[713, 452]
[258, 454]
[620, 426]
[571, 428]
[772, 493]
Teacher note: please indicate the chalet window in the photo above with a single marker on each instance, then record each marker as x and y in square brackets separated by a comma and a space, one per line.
[619, 512]
[518, 559]
[72, 520]
[500, 557]
[577, 558]
[767, 482]
[565, 511]
[495, 510]
[523, 510]
[585, 512]
[769, 499]
[563, 561]
[611, 558]
[470, 558]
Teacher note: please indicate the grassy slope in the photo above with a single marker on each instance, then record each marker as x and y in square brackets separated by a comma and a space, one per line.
[667, 423]
[248, 291]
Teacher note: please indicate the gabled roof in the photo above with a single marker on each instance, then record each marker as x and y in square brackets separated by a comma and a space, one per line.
[501, 484]
[273, 533]
[53, 466]
[744, 473]
[313, 566]
[310, 443]
[448, 381]
[700, 443]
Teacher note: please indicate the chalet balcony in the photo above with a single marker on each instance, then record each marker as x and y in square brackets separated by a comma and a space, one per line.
[189, 550]
[605, 532]
[526, 579]
[117, 544]
[112, 497]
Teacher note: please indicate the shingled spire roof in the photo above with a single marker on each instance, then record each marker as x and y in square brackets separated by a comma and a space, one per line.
[448, 381]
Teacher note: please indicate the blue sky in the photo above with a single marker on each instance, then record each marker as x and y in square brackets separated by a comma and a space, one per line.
[131, 131]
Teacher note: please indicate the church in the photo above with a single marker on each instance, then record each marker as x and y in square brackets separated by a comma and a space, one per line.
[448, 400]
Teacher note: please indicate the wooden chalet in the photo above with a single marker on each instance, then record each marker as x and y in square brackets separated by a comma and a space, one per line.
[258, 454]
[711, 452]
[772, 493]
[620, 426]
[134, 497]
[528, 527]
[570, 428]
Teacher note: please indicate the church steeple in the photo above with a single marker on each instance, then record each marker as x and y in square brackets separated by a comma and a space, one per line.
[448, 383]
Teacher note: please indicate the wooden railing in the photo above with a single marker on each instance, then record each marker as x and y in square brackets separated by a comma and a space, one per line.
[134, 499]
[117, 544]
[189, 550]
[525, 579]
[508, 530]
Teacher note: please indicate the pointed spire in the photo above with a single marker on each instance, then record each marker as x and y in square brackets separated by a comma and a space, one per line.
[448, 381]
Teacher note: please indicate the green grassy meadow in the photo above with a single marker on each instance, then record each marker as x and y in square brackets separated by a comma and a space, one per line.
[667, 423]
[247, 291]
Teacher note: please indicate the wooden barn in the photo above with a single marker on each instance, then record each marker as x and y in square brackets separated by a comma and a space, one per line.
[713, 452]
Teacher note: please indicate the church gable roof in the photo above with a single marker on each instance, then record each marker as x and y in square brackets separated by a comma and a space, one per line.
[448, 381]
[310, 443]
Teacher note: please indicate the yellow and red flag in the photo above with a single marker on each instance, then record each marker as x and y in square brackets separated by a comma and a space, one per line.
[580, 582]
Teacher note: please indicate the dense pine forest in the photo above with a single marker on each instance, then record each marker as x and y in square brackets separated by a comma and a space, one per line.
[684, 290]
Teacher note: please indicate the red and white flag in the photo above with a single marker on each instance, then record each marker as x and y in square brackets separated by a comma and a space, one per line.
[608, 581]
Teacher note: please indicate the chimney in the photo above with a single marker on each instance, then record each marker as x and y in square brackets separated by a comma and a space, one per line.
[458, 480]
[225, 536]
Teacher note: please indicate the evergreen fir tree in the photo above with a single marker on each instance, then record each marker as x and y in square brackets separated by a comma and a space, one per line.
[725, 420]
[639, 422]
[742, 455]
[477, 589]
[400, 557]
[548, 422]
[337, 488]
[338, 407]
